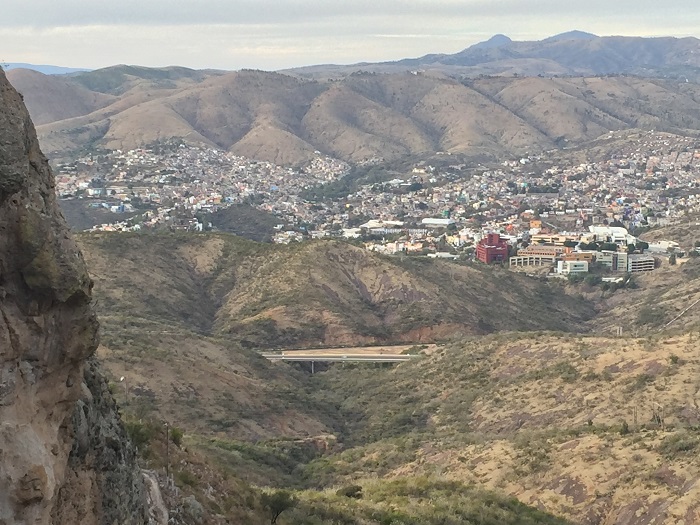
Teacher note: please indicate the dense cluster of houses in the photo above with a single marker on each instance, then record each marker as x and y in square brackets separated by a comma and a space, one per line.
[448, 210]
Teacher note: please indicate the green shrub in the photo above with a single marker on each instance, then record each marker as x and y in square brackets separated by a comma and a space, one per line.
[678, 443]
[624, 428]
[351, 491]
[176, 436]
[277, 502]
[185, 477]
[139, 433]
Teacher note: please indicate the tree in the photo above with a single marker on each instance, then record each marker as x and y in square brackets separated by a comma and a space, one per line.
[590, 246]
[641, 246]
[593, 280]
[277, 502]
[568, 243]
[351, 491]
[672, 259]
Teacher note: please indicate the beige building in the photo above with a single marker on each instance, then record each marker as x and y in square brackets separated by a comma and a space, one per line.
[641, 263]
[616, 261]
[532, 260]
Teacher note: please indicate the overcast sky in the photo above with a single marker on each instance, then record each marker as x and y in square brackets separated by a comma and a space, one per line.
[262, 34]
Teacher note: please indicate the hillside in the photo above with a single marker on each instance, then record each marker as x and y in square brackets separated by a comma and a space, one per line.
[312, 294]
[166, 306]
[546, 417]
[285, 119]
[598, 430]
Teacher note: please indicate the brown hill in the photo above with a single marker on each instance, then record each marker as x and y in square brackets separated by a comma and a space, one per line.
[283, 119]
[50, 98]
[598, 430]
[312, 294]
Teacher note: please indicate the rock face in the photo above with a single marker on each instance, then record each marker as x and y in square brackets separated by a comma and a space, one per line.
[64, 456]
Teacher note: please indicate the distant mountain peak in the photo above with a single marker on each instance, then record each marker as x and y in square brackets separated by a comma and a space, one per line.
[571, 35]
[493, 42]
[45, 69]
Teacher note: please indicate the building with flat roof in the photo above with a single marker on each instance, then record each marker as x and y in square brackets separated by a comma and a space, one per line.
[572, 267]
[532, 260]
[580, 256]
[437, 221]
[616, 261]
[615, 234]
[640, 263]
[538, 249]
[492, 249]
[558, 239]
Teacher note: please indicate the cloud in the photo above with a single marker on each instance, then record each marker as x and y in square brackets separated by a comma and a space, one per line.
[47, 13]
[285, 33]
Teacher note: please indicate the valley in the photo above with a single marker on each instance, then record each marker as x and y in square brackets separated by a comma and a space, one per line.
[455, 289]
[588, 426]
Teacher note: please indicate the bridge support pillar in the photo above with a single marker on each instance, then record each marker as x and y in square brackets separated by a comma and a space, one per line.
[312, 367]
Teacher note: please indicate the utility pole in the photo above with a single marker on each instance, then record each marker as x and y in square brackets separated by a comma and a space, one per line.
[167, 454]
[126, 389]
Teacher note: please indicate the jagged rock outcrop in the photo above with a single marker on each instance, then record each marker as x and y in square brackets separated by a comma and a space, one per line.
[64, 456]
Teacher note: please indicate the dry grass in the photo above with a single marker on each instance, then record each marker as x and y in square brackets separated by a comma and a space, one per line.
[541, 418]
[282, 119]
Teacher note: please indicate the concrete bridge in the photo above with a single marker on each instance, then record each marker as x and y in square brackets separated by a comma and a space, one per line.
[312, 358]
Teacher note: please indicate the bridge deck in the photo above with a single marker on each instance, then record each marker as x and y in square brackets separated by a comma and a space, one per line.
[345, 358]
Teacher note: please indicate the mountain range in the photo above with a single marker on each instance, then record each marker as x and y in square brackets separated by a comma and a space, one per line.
[574, 53]
[42, 68]
[285, 119]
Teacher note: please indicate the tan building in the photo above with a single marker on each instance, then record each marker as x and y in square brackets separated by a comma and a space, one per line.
[580, 256]
[532, 260]
[536, 249]
[556, 239]
[616, 261]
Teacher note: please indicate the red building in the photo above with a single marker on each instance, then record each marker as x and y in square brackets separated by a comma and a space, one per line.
[492, 249]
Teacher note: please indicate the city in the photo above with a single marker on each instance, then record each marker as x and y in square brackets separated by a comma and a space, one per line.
[542, 208]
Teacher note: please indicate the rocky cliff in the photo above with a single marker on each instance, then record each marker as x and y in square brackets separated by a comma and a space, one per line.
[64, 456]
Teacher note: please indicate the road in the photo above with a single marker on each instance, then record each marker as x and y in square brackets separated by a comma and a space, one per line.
[345, 358]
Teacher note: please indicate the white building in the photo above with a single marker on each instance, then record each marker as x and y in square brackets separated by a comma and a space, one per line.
[572, 267]
[437, 221]
[615, 234]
